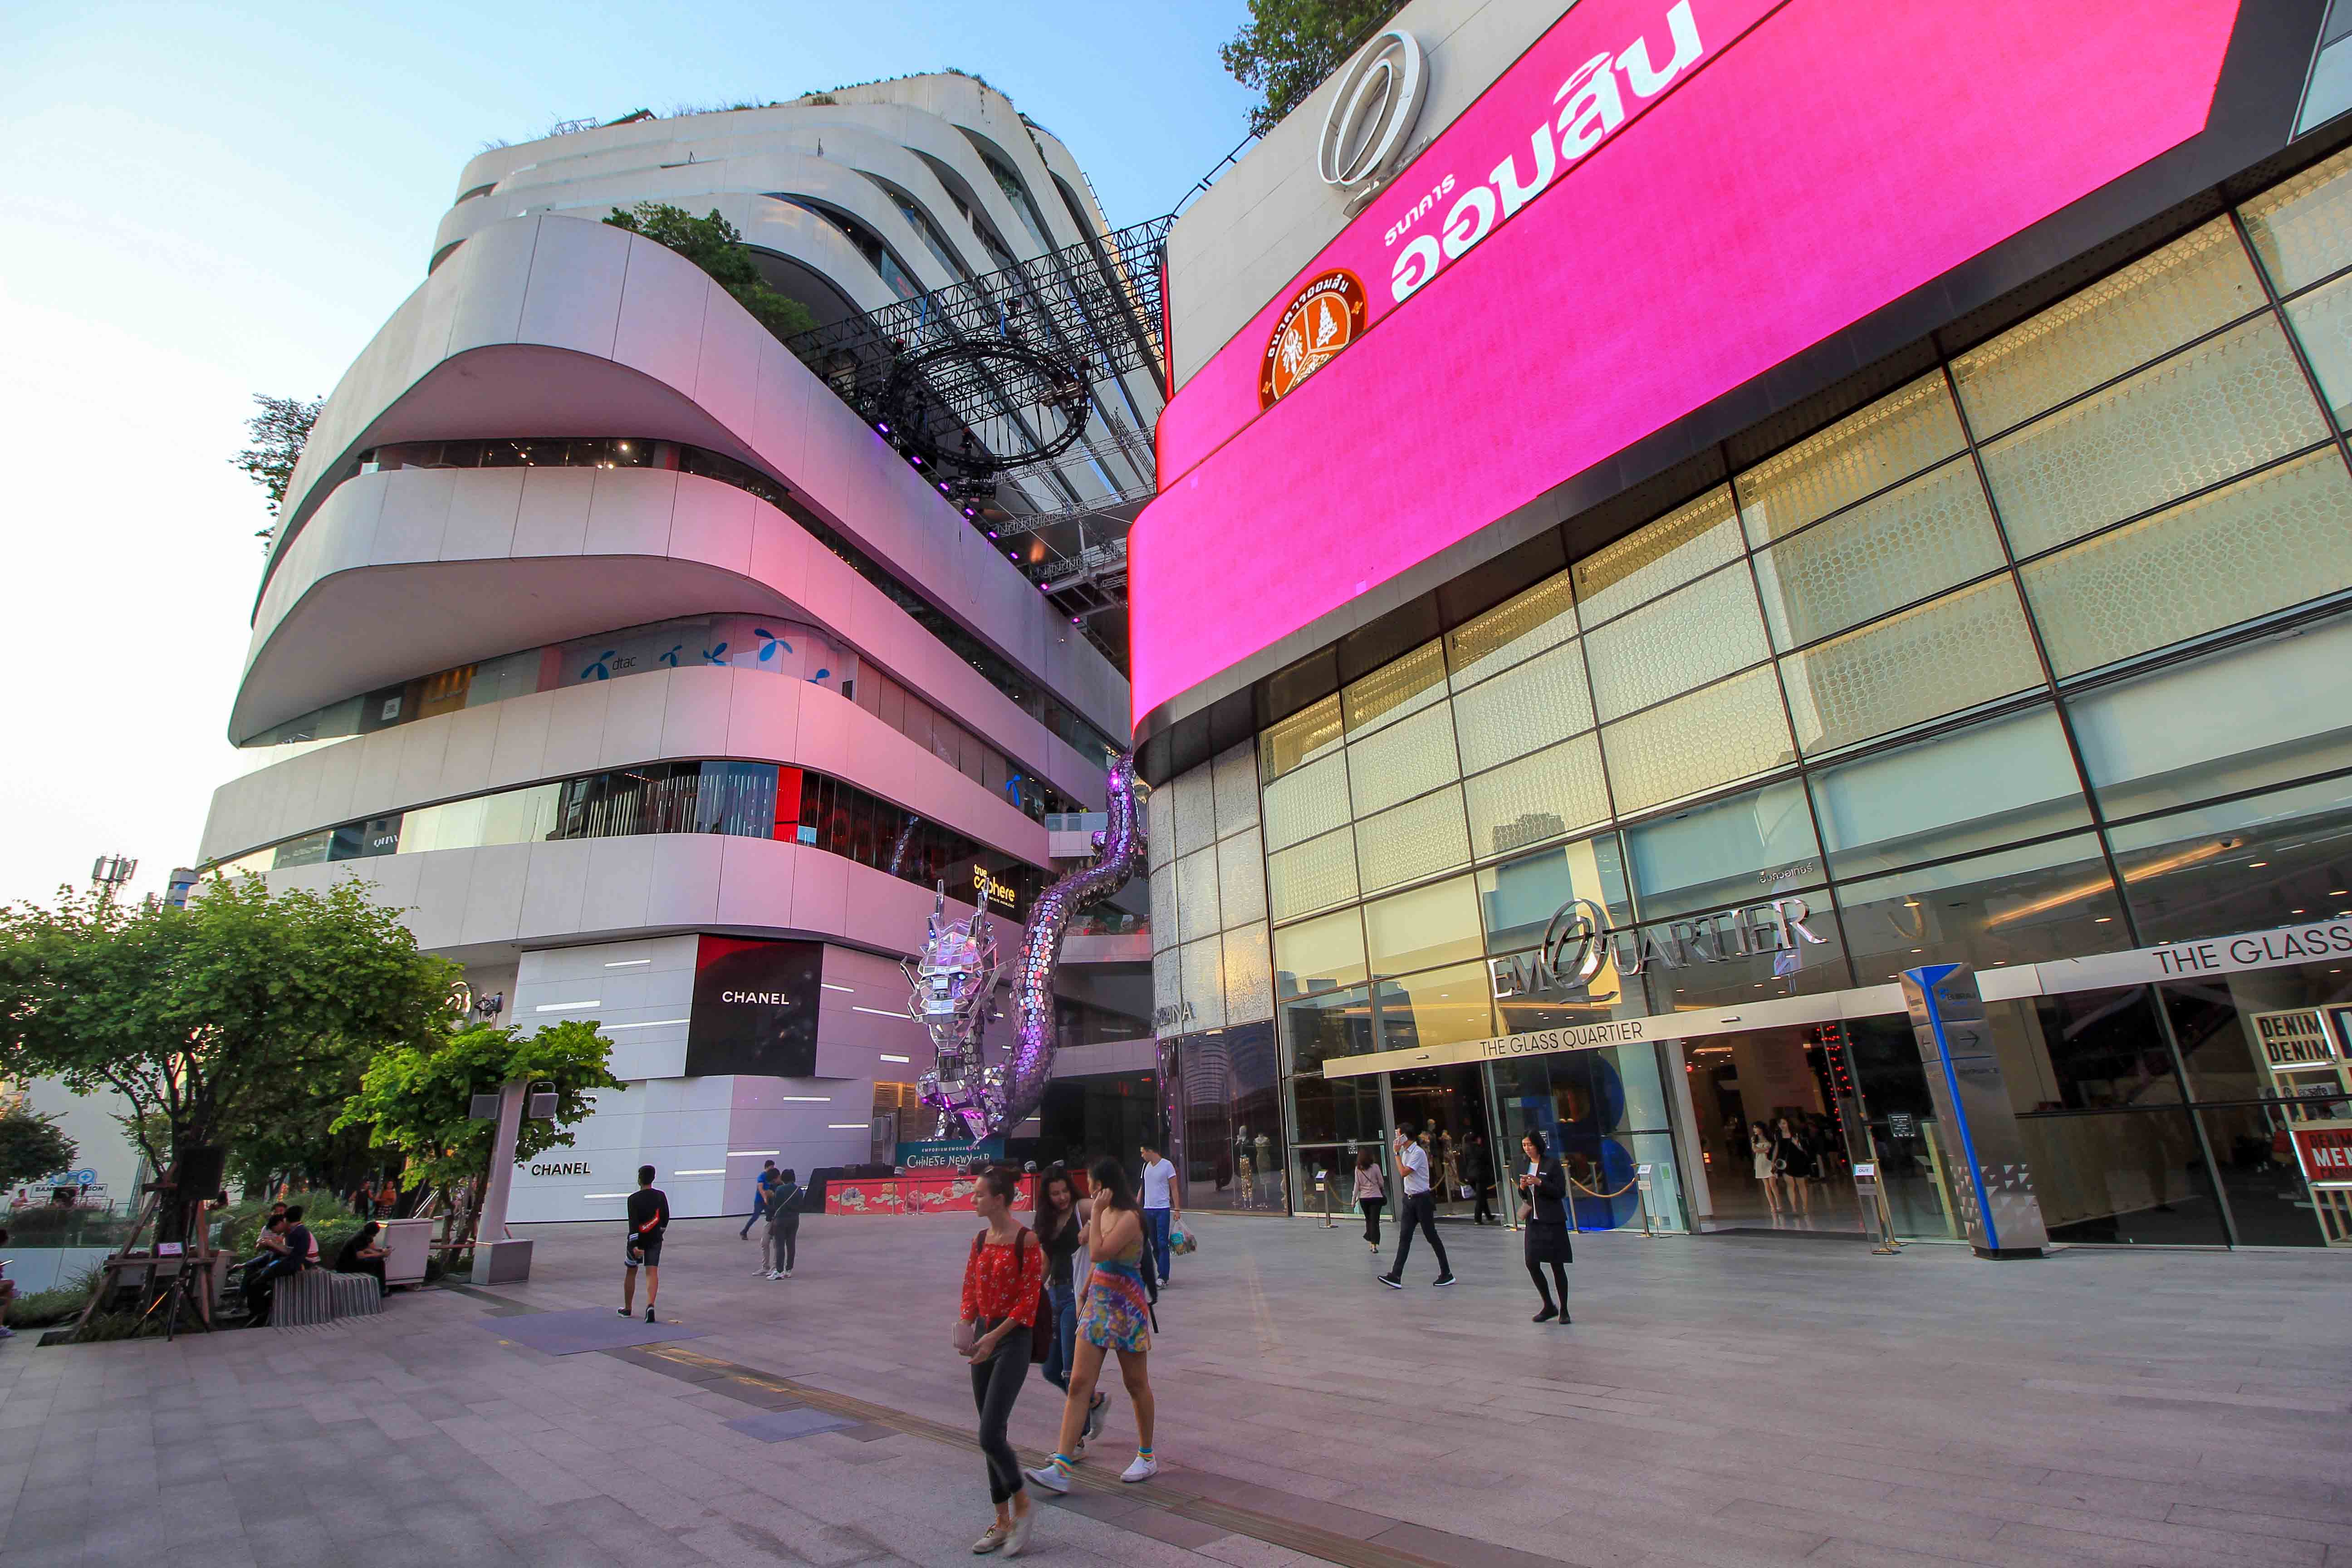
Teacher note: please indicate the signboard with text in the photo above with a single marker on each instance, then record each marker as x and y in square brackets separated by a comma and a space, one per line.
[2323, 1149]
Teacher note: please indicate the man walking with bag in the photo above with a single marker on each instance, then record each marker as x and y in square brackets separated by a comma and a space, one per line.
[1161, 1208]
[1420, 1212]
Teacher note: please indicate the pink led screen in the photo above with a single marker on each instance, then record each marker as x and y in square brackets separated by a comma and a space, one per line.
[1730, 182]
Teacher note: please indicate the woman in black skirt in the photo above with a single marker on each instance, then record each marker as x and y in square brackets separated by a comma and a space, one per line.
[1543, 1187]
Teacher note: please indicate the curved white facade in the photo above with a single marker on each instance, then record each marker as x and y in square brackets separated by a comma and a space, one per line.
[420, 619]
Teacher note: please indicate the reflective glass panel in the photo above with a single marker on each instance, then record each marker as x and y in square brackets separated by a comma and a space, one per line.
[1342, 1111]
[1436, 924]
[1686, 543]
[2121, 1177]
[1202, 966]
[1419, 838]
[1396, 689]
[1671, 645]
[1724, 852]
[1779, 941]
[2323, 324]
[1519, 897]
[2209, 412]
[2250, 864]
[1306, 801]
[1523, 709]
[1993, 783]
[1542, 617]
[1330, 1024]
[1196, 810]
[1438, 1007]
[2301, 228]
[1311, 875]
[2197, 283]
[1319, 954]
[1249, 983]
[1234, 784]
[2268, 711]
[1892, 550]
[1404, 759]
[2276, 539]
[2015, 906]
[1554, 791]
[1892, 439]
[1196, 894]
[1306, 735]
[1731, 731]
[1241, 880]
[1964, 649]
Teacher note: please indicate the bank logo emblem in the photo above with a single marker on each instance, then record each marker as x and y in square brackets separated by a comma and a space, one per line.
[1326, 317]
[1370, 120]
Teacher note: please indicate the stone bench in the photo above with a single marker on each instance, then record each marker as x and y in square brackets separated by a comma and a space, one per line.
[321, 1296]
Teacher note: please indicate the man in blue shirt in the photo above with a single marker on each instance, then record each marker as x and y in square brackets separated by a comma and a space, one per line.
[762, 1191]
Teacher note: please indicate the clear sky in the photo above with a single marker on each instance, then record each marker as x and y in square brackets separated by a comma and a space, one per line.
[203, 202]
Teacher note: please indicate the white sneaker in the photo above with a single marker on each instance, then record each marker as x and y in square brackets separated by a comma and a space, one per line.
[1050, 1476]
[788, 1273]
[773, 1274]
[1143, 1469]
[990, 1539]
[1017, 1541]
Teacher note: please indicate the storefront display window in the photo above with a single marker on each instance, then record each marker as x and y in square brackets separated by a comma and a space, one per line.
[2248, 864]
[1436, 1007]
[1228, 1116]
[1326, 1024]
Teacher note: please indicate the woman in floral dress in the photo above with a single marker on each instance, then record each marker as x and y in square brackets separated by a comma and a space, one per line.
[1116, 1315]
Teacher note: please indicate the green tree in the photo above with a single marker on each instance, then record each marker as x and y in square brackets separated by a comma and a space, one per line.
[279, 433]
[714, 245]
[204, 1016]
[30, 1146]
[417, 1097]
[1287, 48]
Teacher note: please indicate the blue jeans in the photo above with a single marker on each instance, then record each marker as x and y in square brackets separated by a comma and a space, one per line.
[1155, 1221]
[1061, 1354]
[759, 1207]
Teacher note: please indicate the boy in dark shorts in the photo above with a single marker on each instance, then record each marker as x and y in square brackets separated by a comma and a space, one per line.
[648, 1215]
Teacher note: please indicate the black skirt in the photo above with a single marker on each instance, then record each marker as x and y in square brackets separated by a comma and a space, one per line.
[1547, 1242]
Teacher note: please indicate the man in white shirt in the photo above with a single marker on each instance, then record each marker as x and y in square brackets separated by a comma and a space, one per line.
[1160, 1207]
[1420, 1210]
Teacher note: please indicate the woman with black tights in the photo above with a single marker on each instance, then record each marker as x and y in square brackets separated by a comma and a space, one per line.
[1543, 1187]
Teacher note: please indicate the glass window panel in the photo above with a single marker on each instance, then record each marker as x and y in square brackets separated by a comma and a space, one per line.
[1196, 894]
[1686, 639]
[1167, 991]
[2006, 779]
[1436, 924]
[2323, 324]
[1417, 840]
[1312, 875]
[2268, 711]
[1159, 829]
[1235, 786]
[1319, 954]
[2276, 539]
[522, 815]
[2301, 228]
[1966, 649]
[1403, 760]
[1395, 690]
[1311, 800]
[1893, 550]
[1196, 809]
[1202, 965]
[1728, 731]
[1532, 705]
[1310, 733]
[1686, 544]
[1249, 983]
[2016, 906]
[1892, 439]
[2126, 1177]
[1724, 852]
[1438, 1008]
[1542, 617]
[1791, 947]
[1519, 897]
[2208, 413]
[1345, 1110]
[1543, 797]
[1165, 932]
[310, 850]
[2245, 865]
[1241, 880]
[2158, 302]
[1326, 1024]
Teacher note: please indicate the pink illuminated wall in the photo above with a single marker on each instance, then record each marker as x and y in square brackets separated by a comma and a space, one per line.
[1800, 166]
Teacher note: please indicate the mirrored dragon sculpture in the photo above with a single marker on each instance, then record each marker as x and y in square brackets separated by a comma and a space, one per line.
[954, 981]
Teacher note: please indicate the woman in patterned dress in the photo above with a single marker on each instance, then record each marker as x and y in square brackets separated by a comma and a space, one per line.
[1116, 1315]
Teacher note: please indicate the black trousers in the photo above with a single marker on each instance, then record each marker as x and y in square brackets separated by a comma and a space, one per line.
[1420, 1211]
[1485, 1215]
[370, 1266]
[1371, 1207]
[1560, 1278]
[995, 1384]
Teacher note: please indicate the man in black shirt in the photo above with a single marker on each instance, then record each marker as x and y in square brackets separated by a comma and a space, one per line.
[648, 1216]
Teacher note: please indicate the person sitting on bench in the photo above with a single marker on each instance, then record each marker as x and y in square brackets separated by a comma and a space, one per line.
[262, 1268]
[363, 1255]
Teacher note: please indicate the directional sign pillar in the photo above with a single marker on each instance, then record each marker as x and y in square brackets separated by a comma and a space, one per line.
[1991, 1189]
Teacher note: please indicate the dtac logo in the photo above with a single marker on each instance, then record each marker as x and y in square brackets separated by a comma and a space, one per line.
[1590, 108]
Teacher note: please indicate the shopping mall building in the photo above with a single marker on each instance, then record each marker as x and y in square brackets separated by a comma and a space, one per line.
[1674, 512]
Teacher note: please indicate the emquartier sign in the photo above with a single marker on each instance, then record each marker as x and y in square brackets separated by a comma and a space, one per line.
[2139, 967]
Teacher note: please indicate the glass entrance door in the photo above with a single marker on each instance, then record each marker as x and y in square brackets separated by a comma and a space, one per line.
[1448, 1111]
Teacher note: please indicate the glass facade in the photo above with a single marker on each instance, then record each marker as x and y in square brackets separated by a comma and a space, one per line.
[749, 800]
[1911, 689]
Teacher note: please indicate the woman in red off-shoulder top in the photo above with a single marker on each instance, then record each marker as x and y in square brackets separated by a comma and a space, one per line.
[1002, 1278]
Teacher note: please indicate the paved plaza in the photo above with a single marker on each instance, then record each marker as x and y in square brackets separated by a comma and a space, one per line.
[1731, 1401]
